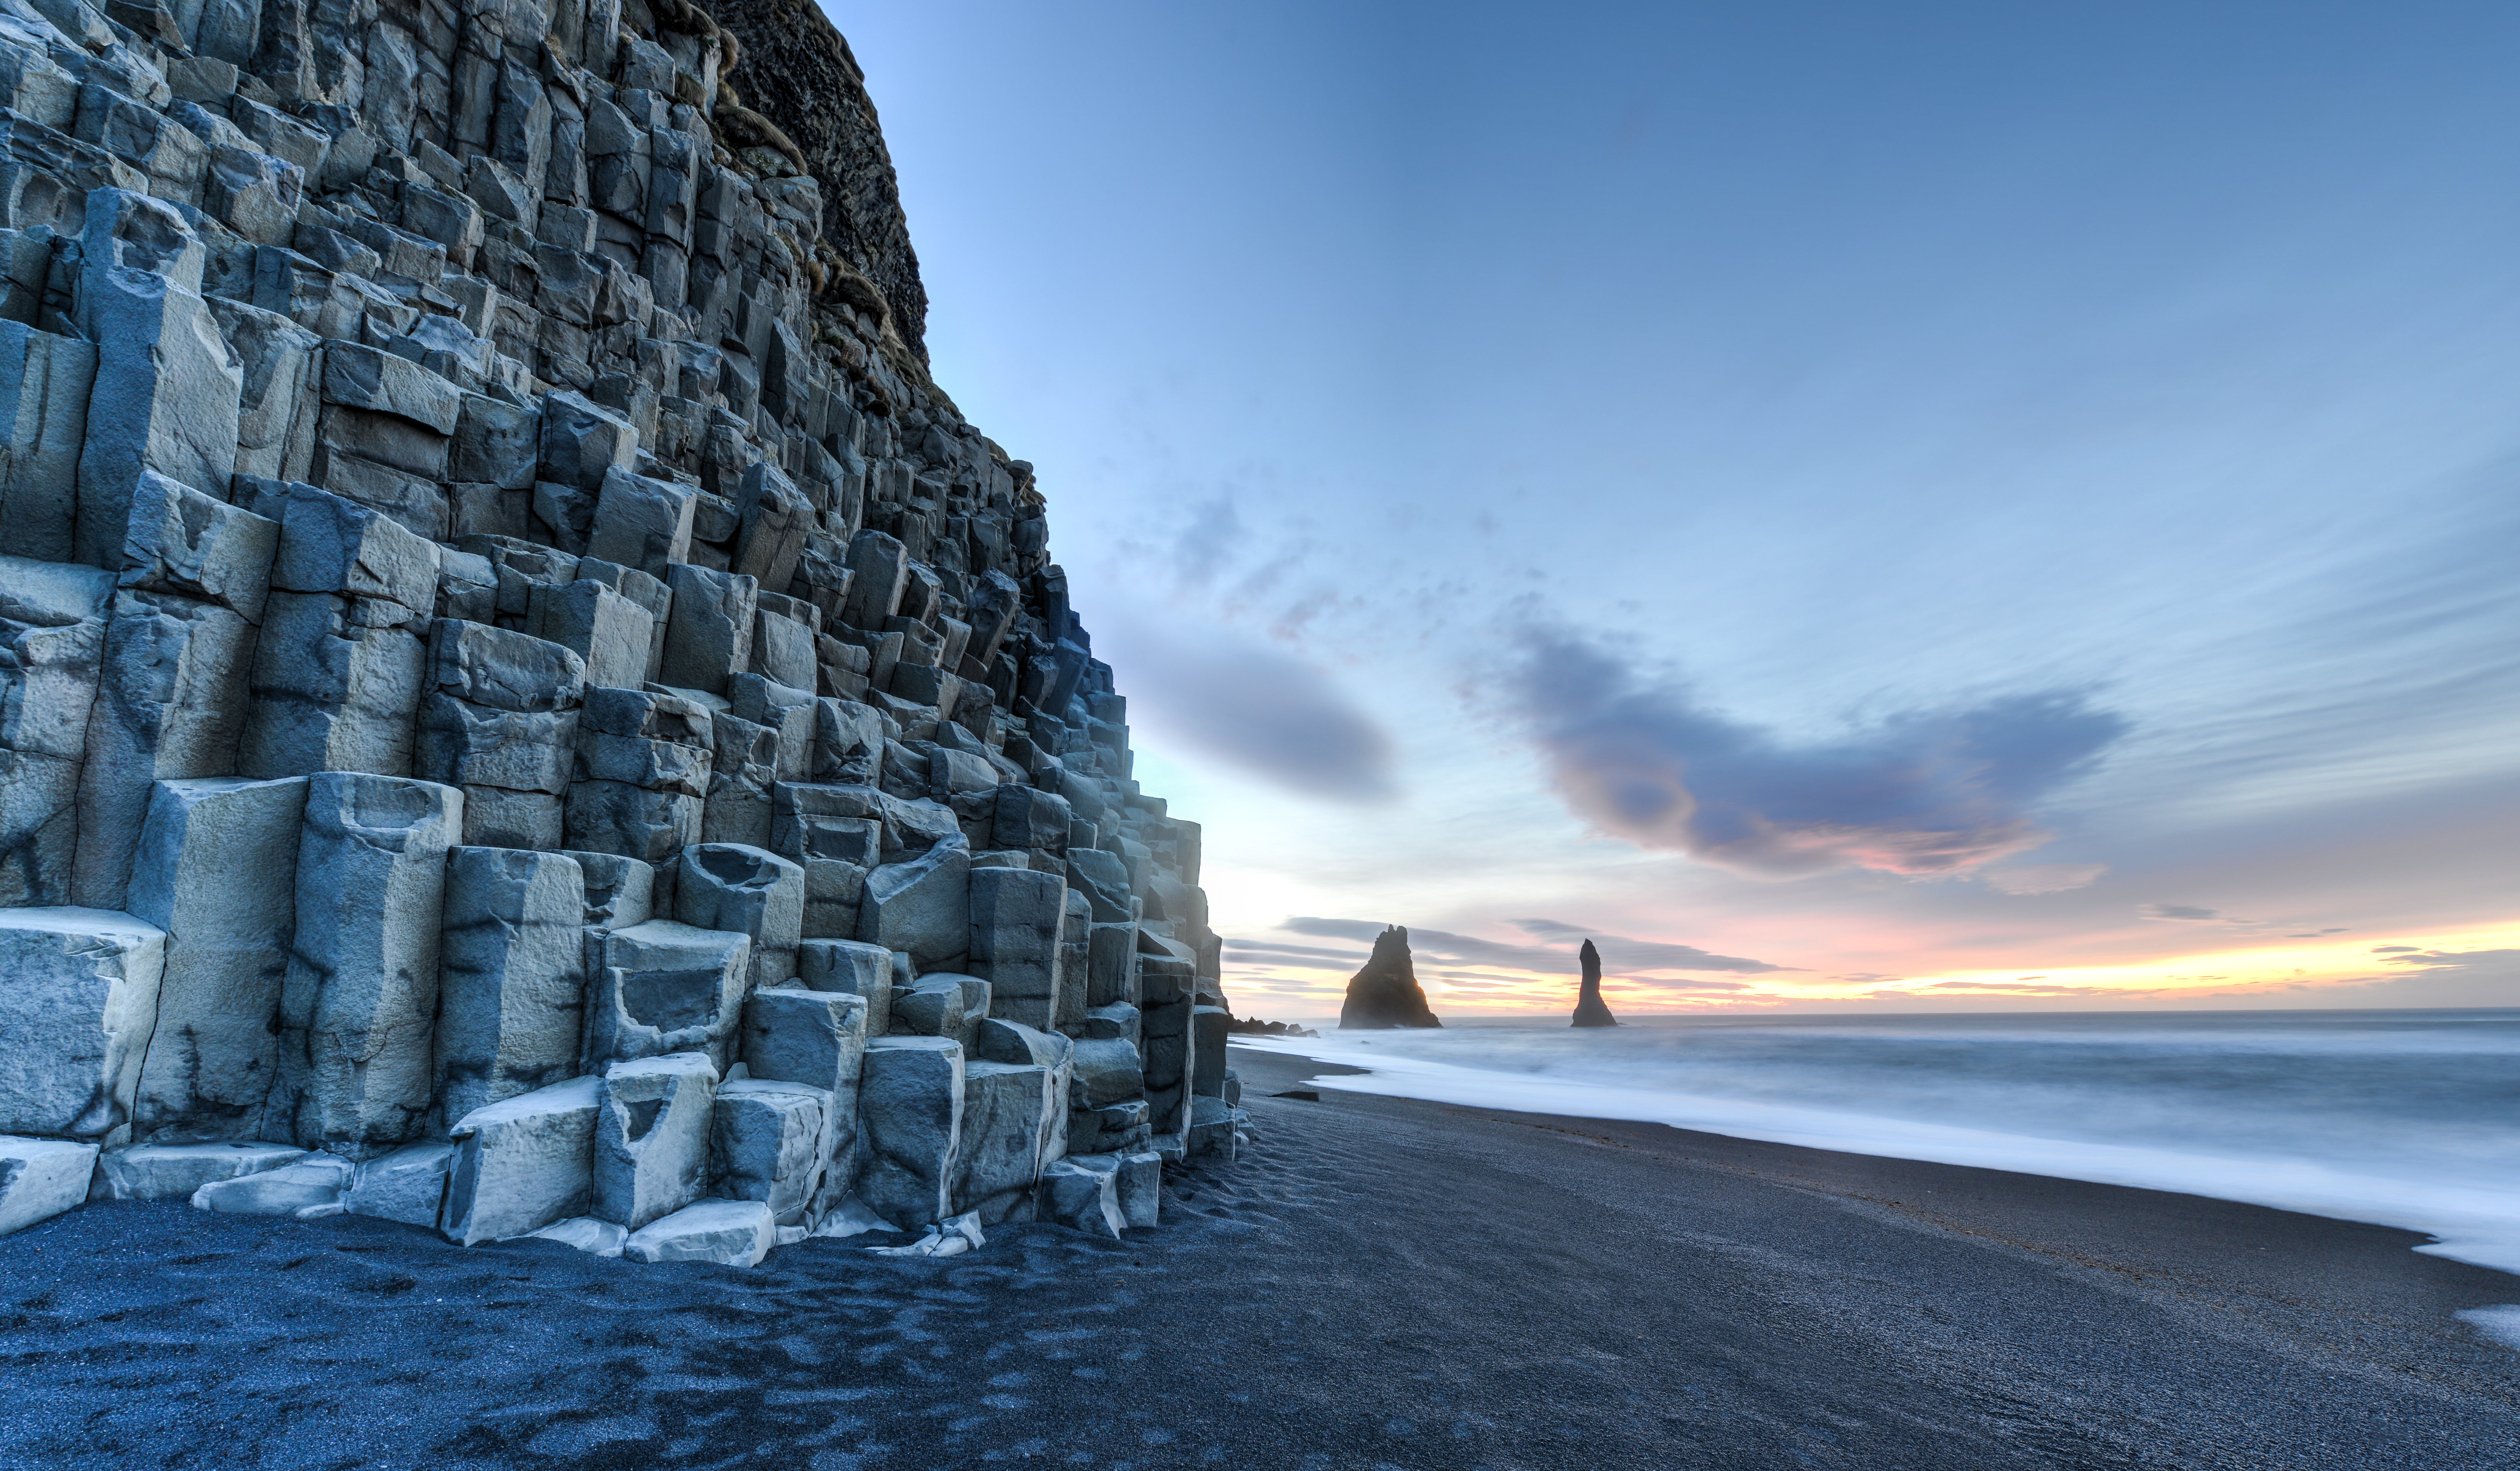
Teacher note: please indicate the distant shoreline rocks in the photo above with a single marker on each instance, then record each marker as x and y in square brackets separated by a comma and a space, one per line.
[1385, 994]
[1255, 1026]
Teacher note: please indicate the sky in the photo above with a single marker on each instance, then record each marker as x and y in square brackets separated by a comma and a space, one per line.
[1852, 507]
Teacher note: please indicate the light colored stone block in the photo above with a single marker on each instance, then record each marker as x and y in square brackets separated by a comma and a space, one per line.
[359, 1008]
[652, 1139]
[910, 1105]
[728, 1232]
[218, 870]
[173, 1171]
[40, 1178]
[78, 999]
[511, 976]
[524, 1163]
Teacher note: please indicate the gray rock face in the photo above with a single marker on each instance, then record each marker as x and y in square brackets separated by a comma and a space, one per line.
[1082, 1194]
[216, 870]
[40, 1178]
[732, 886]
[728, 1232]
[923, 906]
[524, 1163]
[359, 1006]
[173, 1171]
[1007, 1109]
[910, 1104]
[770, 1142]
[489, 597]
[408, 1186]
[663, 986]
[1016, 916]
[511, 976]
[853, 966]
[79, 999]
[651, 1137]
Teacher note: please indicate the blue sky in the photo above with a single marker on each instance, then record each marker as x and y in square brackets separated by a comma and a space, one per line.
[1955, 504]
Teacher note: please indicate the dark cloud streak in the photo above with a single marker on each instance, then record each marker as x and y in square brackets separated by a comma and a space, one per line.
[1920, 793]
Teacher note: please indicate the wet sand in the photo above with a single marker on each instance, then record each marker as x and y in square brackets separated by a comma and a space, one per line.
[1377, 1282]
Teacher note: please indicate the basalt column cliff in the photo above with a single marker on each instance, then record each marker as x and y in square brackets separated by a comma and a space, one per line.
[521, 706]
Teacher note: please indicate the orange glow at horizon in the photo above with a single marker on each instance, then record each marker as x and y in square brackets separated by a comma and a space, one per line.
[2291, 968]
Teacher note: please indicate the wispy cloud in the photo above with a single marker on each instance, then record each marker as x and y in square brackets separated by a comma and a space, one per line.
[1925, 792]
[1257, 707]
[2041, 878]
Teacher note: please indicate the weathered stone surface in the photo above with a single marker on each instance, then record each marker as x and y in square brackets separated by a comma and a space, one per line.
[524, 1163]
[708, 636]
[731, 886]
[910, 1104]
[728, 1232]
[663, 986]
[79, 999]
[166, 386]
[359, 1007]
[610, 632]
[1111, 966]
[1007, 1109]
[511, 980]
[1081, 1193]
[1015, 919]
[218, 870]
[770, 1141]
[169, 695]
[923, 906]
[173, 1171]
[408, 1186]
[652, 1139]
[851, 966]
[479, 430]
[942, 1004]
[1210, 1026]
[44, 385]
[40, 1178]
[1140, 1184]
[309, 1186]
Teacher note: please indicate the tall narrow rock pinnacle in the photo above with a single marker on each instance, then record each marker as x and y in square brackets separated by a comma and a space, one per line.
[1589, 1009]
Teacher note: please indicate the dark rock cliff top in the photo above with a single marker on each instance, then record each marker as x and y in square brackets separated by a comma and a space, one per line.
[1385, 994]
[796, 71]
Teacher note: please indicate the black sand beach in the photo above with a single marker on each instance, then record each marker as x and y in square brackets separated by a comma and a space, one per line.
[1377, 1283]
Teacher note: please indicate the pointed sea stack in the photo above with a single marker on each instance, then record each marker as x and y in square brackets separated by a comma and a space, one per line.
[1385, 994]
[1589, 1009]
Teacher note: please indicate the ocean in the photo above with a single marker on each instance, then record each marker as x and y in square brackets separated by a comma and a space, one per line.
[2408, 1119]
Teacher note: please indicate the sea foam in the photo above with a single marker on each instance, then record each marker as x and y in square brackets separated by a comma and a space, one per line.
[2402, 1119]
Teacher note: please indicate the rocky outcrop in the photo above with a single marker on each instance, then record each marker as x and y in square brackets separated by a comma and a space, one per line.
[795, 66]
[522, 709]
[1385, 994]
[1589, 1009]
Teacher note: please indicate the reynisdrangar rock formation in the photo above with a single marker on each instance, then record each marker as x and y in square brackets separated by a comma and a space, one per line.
[522, 709]
[1385, 994]
[1589, 1009]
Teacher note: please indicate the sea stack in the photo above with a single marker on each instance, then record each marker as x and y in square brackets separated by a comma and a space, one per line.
[1589, 1009]
[1385, 994]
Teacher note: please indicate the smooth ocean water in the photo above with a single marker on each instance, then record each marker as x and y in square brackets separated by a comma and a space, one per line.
[2401, 1118]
